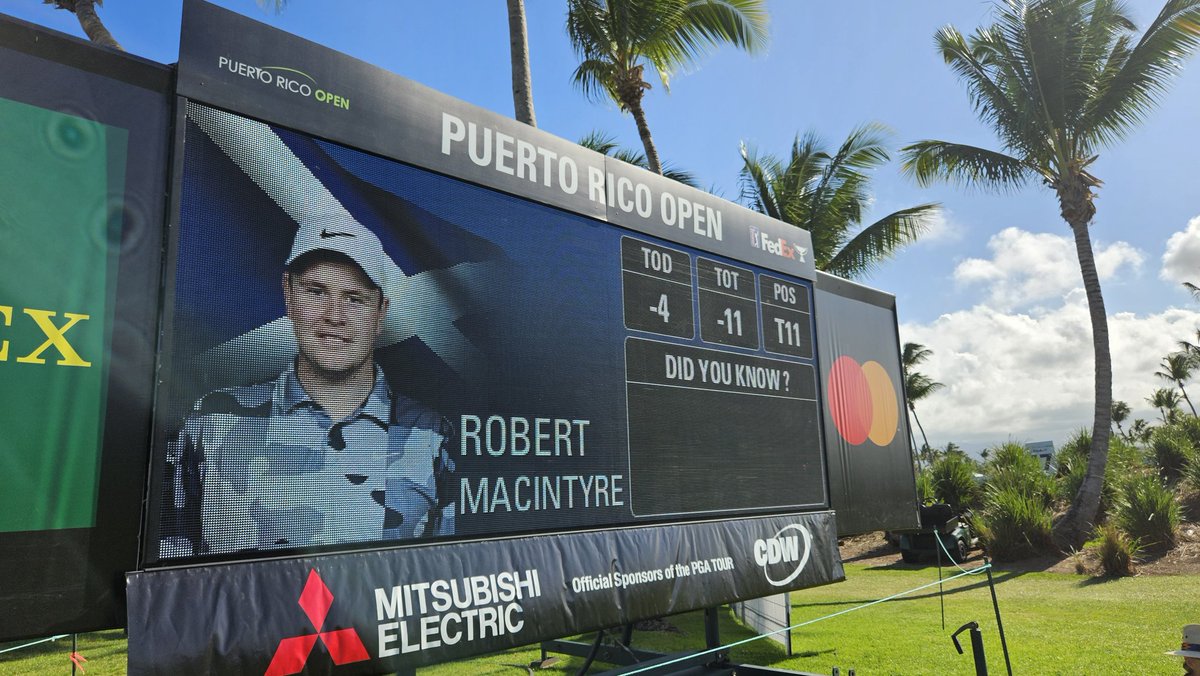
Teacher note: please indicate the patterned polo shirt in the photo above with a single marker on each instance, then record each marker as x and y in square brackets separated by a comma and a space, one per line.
[264, 466]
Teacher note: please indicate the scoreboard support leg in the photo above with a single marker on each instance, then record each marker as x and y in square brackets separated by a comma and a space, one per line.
[712, 632]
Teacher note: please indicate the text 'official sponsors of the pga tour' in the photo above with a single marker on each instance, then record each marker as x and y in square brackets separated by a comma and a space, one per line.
[781, 556]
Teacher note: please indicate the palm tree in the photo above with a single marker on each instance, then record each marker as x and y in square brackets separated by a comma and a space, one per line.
[917, 385]
[1057, 80]
[1140, 430]
[1167, 403]
[606, 144]
[1120, 413]
[518, 47]
[1176, 368]
[827, 194]
[1192, 350]
[617, 39]
[89, 21]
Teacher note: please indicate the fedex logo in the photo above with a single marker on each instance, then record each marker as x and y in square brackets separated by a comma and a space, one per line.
[779, 247]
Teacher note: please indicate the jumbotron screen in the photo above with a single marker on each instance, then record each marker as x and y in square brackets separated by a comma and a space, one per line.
[363, 353]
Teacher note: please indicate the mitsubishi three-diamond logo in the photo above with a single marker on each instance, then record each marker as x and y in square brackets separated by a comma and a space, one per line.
[344, 645]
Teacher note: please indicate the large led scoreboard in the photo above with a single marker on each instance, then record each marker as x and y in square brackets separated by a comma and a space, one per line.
[564, 362]
[432, 383]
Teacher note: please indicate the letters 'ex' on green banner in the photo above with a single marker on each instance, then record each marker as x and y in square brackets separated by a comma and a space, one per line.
[59, 243]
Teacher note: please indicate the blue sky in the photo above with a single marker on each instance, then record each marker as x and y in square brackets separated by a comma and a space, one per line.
[994, 290]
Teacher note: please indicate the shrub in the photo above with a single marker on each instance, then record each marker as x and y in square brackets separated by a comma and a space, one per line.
[1012, 466]
[1014, 525]
[1171, 449]
[1071, 464]
[925, 492]
[1148, 512]
[1190, 427]
[1123, 458]
[1115, 549]
[1074, 452]
[953, 479]
[1191, 472]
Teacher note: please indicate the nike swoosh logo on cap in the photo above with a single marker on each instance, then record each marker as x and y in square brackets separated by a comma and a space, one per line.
[325, 234]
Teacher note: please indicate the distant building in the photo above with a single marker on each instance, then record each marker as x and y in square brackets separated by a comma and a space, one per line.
[1044, 451]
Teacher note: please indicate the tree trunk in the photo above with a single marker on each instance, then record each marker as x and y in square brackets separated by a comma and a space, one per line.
[1075, 526]
[912, 441]
[1186, 398]
[913, 409]
[518, 46]
[85, 12]
[639, 116]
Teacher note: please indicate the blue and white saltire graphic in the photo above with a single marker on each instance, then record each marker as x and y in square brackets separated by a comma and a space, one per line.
[425, 303]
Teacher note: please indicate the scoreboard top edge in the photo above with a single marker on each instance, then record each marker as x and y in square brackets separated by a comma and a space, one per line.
[244, 66]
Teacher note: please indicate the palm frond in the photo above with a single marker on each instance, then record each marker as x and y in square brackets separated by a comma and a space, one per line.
[1131, 90]
[880, 241]
[606, 144]
[595, 78]
[616, 40]
[681, 175]
[1176, 367]
[913, 354]
[973, 63]
[755, 181]
[864, 148]
[929, 161]
[798, 179]
[629, 156]
[826, 194]
[599, 141]
[917, 386]
[709, 23]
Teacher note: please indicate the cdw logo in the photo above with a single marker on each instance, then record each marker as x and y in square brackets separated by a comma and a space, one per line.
[344, 645]
[56, 336]
[782, 551]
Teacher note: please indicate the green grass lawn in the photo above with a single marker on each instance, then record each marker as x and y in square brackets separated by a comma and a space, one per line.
[1055, 624]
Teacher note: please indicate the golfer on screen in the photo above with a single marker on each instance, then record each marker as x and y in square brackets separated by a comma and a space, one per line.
[325, 453]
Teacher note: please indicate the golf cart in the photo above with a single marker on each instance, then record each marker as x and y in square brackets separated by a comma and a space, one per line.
[937, 521]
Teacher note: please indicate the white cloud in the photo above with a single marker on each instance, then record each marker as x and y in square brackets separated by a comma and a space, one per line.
[1026, 267]
[1181, 260]
[942, 228]
[1029, 377]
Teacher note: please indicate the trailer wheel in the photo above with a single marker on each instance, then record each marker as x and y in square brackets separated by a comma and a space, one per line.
[960, 550]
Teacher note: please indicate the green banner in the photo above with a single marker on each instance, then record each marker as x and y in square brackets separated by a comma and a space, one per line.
[61, 181]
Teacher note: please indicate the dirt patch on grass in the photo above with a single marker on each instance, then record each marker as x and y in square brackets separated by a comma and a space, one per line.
[874, 550]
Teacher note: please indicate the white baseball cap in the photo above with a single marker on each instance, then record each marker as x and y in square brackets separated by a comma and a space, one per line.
[1191, 642]
[344, 236]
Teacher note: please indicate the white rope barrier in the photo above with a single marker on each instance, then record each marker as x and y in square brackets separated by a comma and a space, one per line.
[690, 656]
[27, 645]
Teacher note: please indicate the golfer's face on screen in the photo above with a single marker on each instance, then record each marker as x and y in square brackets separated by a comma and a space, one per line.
[336, 314]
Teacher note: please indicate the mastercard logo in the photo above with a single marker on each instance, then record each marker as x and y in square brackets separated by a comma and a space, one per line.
[863, 402]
